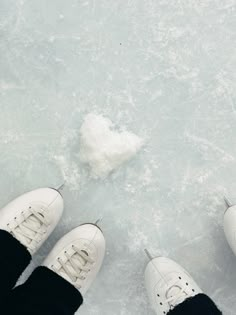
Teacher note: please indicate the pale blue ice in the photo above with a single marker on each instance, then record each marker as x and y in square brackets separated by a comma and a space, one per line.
[164, 69]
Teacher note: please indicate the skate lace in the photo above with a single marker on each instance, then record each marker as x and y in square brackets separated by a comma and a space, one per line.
[176, 293]
[29, 226]
[76, 267]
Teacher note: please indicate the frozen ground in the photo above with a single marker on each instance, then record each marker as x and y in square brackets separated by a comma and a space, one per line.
[166, 70]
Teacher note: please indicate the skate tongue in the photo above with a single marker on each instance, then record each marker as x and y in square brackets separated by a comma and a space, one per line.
[176, 293]
[35, 223]
[83, 251]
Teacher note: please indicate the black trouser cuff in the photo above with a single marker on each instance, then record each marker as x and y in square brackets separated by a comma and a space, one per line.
[14, 259]
[199, 304]
[45, 292]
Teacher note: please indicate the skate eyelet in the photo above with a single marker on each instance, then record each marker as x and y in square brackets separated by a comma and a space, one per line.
[186, 283]
[180, 278]
[161, 303]
[193, 290]
[158, 295]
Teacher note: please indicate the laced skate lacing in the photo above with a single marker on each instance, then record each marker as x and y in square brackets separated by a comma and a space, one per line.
[76, 267]
[29, 226]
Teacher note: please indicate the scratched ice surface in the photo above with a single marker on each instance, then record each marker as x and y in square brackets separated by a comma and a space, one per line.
[166, 71]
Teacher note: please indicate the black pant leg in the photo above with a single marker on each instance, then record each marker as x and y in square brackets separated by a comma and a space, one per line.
[14, 258]
[45, 293]
[201, 304]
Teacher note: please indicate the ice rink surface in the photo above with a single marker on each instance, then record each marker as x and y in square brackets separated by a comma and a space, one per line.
[164, 69]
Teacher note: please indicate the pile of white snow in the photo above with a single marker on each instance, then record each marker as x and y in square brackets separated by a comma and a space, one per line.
[103, 148]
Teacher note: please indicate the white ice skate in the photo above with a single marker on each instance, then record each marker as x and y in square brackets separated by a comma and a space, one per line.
[78, 256]
[168, 284]
[230, 225]
[32, 217]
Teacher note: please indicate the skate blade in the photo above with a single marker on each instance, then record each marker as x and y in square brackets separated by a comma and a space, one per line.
[228, 202]
[97, 222]
[149, 256]
[61, 187]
